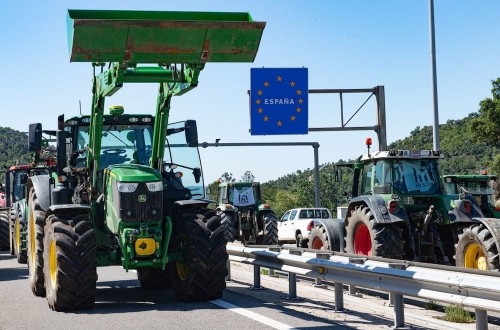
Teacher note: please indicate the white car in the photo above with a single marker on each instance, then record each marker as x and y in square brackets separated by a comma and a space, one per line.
[295, 225]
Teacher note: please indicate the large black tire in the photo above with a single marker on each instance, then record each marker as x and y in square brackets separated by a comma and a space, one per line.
[70, 262]
[228, 221]
[36, 223]
[199, 237]
[366, 237]
[4, 229]
[154, 278]
[270, 230]
[19, 235]
[476, 248]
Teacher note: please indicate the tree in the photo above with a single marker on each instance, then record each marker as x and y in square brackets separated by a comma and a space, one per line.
[248, 177]
[486, 127]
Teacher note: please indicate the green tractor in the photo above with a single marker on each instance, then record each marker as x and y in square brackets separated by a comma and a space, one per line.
[132, 193]
[399, 209]
[13, 206]
[244, 215]
[478, 185]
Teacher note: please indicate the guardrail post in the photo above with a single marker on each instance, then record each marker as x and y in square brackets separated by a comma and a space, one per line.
[256, 278]
[228, 276]
[481, 319]
[321, 255]
[352, 287]
[398, 302]
[339, 296]
[292, 279]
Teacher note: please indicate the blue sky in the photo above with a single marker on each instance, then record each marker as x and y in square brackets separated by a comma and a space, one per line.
[343, 43]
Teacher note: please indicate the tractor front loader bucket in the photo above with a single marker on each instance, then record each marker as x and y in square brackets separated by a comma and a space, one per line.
[162, 37]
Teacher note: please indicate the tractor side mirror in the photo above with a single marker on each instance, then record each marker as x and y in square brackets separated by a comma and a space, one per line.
[35, 137]
[191, 132]
[197, 174]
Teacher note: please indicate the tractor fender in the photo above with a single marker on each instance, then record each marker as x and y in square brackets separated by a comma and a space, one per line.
[42, 189]
[493, 225]
[378, 207]
[227, 208]
[335, 230]
[72, 209]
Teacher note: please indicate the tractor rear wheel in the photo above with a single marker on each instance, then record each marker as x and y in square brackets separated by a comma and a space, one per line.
[270, 230]
[366, 237]
[476, 248]
[36, 223]
[19, 236]
[154, 278]
[4, 229]
[228, 221]
[70, 262]
[198, 237]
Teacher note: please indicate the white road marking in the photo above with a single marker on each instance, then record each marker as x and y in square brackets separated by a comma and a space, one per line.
[251, 315]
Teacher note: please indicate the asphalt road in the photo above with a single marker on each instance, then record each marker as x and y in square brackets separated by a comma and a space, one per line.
[122, 304]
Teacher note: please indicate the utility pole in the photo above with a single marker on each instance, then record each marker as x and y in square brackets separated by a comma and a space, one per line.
[435, 135]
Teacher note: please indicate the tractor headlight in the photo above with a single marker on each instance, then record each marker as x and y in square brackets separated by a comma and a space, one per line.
[127, 187]
[155, 186]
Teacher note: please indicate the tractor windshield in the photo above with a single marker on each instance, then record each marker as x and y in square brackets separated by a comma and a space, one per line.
[416, 176]
[183, 161]
[120, 144]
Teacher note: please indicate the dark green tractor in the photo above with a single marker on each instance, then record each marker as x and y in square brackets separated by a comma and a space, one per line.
[245, 216]
[132, 192]
[399, 209]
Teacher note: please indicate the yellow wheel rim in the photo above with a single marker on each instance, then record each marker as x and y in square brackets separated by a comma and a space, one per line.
[474, 257]
[182, 271]
[17, 236]
[32, 252]
[53, 263]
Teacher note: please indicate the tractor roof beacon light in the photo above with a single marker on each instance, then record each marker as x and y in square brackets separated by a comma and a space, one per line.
[368, 144]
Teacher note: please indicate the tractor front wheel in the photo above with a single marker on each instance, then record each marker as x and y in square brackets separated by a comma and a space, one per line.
[476, 248]
[198, 237]
[318, 238]
[366, 237]
[36, 223]
[19, 235]
[70, 262]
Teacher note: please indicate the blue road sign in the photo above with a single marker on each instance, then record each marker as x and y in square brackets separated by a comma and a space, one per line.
[278, 101]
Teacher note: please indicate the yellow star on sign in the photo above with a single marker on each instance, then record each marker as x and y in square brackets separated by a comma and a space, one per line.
[298, 109]
[266, 84]
[293, 118]
[299, 92]
[260, 110]
[301, 100]
[279, 78]
[257, 101]
[259, 92]
[279, 123]
[292, 83]
[266, 118]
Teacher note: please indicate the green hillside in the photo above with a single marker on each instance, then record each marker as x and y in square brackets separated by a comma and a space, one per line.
[13, 147]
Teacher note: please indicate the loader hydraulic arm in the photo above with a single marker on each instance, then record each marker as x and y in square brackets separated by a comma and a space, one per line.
[173, 80]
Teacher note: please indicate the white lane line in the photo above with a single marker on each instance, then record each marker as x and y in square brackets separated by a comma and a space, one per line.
[251, 315]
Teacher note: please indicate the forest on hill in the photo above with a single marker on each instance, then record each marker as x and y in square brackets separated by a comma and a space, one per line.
[468, 146]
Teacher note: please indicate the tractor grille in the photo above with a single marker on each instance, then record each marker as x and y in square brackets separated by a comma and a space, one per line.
[140, 205]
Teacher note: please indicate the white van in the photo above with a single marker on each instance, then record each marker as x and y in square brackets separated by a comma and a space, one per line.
[295, 225]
